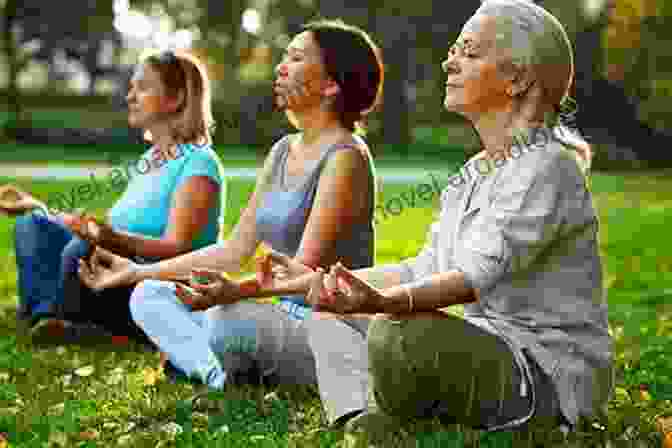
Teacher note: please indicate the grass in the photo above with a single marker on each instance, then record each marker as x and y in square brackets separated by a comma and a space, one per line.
[46, 399]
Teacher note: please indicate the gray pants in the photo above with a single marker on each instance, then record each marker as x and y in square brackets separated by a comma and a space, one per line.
[425, 365]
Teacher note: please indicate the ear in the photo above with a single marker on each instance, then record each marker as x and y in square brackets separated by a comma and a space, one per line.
[174, 104]
[332, 88]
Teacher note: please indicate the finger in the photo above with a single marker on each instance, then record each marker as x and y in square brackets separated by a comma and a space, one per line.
[316, 285]
[279, 258]
[354, 282]
[264, 273]
[205, 275]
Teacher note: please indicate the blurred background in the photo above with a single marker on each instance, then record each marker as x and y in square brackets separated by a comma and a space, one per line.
[65, 66]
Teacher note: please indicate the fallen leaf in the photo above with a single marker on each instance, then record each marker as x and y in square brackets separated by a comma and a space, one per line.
[4, 442]
[150, 376]
[84, 371]
[91, 434]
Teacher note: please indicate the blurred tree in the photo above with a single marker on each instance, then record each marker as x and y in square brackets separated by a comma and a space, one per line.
[15, 60]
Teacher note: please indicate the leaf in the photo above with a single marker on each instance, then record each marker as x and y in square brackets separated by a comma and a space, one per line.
[150, 376]
[85, 371]
[91, 434]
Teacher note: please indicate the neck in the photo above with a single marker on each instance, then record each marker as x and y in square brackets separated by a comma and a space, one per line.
[162, 138]
[498, 130]
[316, 124]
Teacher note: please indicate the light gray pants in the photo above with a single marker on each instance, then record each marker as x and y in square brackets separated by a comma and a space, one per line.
[276, 338]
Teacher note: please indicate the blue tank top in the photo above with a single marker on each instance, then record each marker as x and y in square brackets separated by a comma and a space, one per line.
[285, 205]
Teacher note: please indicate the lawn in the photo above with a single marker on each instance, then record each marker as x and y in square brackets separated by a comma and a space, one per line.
[112, 396]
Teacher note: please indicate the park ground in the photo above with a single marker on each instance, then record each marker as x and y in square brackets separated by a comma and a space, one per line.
[79, 396]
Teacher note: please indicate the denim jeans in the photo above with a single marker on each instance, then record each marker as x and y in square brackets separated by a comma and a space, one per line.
[47, 253]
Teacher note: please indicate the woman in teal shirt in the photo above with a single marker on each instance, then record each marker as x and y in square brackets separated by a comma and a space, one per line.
[172, 204]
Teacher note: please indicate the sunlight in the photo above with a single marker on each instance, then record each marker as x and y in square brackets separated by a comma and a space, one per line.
[251, 21]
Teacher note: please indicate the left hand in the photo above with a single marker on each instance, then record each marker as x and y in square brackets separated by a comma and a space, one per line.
[342, 292]
[217, 289]
[88, 228]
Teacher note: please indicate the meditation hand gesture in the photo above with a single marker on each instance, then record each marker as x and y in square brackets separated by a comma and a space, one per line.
[275, 268]
[14, 201]
[107, 270]
[88, 228]
[342, 292]
[208, 288]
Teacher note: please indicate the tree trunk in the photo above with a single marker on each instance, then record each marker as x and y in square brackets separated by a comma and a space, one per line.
[11, 56]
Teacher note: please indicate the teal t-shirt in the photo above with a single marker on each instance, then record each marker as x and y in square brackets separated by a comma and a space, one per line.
[144, 207]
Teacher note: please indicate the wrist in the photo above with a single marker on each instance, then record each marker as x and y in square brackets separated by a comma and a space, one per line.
[398, 300]
[249, 288]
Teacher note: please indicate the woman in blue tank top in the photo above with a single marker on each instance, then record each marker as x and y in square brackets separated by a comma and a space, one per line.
[314, 201]
[172, 203]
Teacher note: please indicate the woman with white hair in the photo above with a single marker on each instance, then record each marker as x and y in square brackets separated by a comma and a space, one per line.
[516, 245]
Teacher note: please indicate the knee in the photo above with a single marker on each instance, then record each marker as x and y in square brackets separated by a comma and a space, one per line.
[26, 227]
[146, 296]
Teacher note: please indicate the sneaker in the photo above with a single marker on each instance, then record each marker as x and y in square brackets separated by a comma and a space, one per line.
[53, 331]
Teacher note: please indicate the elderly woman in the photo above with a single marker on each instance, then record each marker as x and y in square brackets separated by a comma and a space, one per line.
[516, 243]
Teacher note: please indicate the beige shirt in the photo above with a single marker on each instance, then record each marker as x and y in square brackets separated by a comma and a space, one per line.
[524, 231]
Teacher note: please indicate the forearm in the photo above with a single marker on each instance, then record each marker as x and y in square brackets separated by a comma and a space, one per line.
[223, 257]
[381, 277]
[428, 294]
[131, 245]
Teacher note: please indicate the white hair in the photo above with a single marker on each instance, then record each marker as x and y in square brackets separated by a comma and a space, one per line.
[537, 41]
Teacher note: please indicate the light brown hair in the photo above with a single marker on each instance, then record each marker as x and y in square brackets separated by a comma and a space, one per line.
[184, 74]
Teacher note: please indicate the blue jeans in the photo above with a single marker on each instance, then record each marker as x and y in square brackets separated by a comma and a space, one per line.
[47, 254]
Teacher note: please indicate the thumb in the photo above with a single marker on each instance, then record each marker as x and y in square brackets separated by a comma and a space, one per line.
[343, 274]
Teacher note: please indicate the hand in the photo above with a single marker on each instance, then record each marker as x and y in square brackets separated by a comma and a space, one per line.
[88, 228]
[107, 270]
[209, 288]
[14, 201]
[275, 268]
[342, 292]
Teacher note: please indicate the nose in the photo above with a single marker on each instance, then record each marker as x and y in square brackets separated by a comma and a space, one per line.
[449, 66]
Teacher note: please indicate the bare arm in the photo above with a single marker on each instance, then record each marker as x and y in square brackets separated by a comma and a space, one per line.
[225, 256]
[188, 216]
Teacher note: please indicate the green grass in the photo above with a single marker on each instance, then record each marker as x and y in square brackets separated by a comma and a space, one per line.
[42, 399]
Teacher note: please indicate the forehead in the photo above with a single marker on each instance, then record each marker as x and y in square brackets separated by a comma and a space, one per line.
[480, 30]
[146, 73]
[305, 43]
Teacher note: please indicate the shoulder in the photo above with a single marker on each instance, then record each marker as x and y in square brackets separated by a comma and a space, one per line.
[549, 165]
[349, 158]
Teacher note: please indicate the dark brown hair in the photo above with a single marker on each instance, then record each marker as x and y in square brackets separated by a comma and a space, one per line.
[180, 72]
[354, 62]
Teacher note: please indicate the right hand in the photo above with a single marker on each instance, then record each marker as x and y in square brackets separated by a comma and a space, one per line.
[107, 270]
[15, 202]
[275, 268]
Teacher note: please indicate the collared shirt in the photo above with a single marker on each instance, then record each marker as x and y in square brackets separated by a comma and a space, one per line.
[525, 234]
